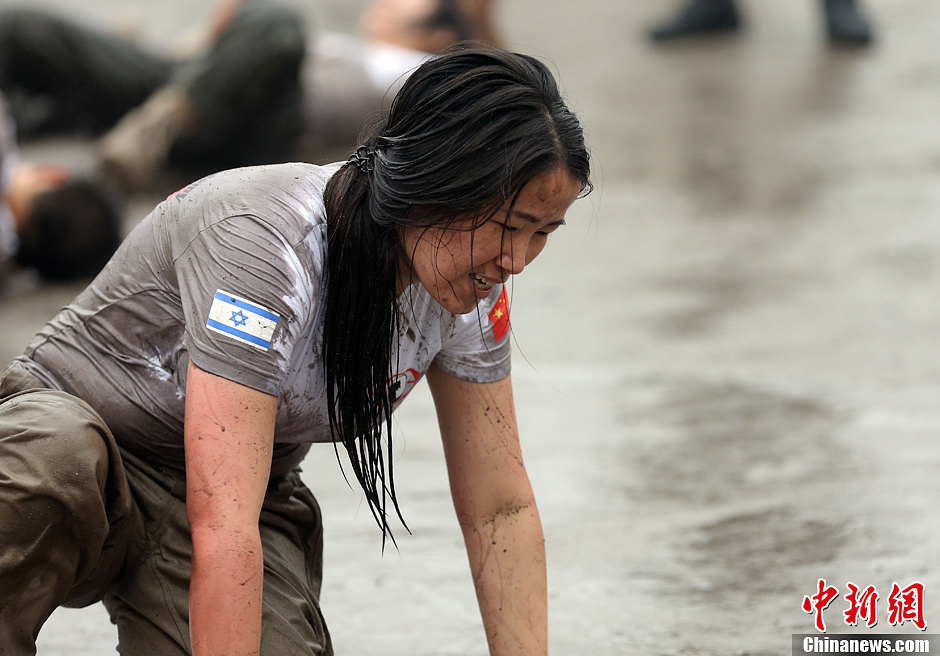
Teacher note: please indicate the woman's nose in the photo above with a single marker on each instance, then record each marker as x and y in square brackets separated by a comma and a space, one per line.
[513, 261]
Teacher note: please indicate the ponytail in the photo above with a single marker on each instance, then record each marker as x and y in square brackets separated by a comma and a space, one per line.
[360, 327]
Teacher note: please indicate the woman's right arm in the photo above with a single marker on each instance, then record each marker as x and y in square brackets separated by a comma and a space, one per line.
[229, 436]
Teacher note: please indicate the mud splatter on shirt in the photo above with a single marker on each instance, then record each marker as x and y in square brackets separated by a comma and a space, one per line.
[124, 344]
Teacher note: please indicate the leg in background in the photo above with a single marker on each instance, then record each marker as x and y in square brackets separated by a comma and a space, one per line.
[846, 24]
[239, 104]
[698, 17]
[71, 77]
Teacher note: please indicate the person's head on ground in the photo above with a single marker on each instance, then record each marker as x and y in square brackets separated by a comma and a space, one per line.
[67, 227]
[460, 187]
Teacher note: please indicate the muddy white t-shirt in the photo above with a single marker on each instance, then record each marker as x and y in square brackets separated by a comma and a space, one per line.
[229, 273]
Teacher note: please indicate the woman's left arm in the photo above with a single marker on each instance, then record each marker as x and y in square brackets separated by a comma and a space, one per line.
[496, 509]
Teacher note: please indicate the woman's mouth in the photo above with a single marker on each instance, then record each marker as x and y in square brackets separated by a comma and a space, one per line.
[482, 285]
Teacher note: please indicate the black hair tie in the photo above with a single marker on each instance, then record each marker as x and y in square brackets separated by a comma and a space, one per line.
[363, 159]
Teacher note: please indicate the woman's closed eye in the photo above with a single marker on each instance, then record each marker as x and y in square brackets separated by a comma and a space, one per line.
[505, 225]
[508, 228]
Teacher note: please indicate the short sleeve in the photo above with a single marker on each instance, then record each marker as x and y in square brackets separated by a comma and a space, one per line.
[247, 297]
[477, 349]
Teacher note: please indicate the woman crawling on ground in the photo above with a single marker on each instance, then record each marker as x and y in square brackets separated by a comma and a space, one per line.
[151, 433]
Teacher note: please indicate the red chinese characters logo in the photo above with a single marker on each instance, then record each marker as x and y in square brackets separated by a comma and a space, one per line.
[861, 605]
[907, 604]
[819, 602]
[904, 604]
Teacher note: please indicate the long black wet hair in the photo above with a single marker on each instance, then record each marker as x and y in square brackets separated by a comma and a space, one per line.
[463, 136]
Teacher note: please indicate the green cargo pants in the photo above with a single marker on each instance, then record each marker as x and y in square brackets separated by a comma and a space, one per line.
[82, 520]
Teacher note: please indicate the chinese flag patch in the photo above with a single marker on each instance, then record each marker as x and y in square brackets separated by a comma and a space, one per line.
[499, 316]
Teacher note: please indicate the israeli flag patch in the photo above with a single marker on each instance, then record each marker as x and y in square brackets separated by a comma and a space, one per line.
[242, 320]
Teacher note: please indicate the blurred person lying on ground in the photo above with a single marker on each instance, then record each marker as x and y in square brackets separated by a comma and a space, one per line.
[263, 91]
[846, 23]
[62, 226]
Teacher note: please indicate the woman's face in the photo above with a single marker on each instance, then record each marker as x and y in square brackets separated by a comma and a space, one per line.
[459, 266]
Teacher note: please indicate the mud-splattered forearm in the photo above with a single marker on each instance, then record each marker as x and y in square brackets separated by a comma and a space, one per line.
[228, 437]
[496, 509]
[507, 559]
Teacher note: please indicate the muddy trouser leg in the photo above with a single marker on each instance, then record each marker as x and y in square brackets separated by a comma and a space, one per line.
[91, 77]
[150, 602]
[66, 513]
[246, 91]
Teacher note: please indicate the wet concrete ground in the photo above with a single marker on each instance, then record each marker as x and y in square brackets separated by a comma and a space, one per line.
[726, 368]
